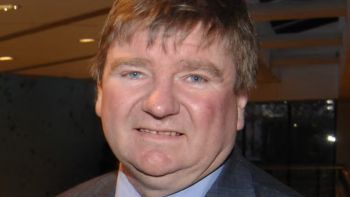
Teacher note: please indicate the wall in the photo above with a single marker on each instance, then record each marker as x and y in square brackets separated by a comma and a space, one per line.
[299, 83]
[50, 137]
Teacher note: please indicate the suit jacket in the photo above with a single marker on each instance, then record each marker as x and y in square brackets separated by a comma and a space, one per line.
[238, 178]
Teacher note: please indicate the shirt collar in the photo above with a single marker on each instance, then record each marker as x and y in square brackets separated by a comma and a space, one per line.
[125, 189]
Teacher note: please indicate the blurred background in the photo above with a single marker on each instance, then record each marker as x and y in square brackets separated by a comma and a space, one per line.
[297, 123]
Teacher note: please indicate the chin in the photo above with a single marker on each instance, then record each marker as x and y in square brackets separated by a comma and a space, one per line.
[156, 169]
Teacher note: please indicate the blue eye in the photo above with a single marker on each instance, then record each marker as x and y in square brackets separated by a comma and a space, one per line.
[134, 75]
[197, 79]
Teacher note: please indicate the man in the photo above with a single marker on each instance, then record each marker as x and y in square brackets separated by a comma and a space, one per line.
[172, 79]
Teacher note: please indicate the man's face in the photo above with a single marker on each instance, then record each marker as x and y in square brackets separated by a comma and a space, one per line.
[170, 116]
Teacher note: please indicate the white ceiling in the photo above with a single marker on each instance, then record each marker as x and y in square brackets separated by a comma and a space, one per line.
[43, 37]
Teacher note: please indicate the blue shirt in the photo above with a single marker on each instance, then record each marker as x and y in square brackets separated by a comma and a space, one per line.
[199, 189]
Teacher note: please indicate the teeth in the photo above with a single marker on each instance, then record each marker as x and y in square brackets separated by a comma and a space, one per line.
[168, 133]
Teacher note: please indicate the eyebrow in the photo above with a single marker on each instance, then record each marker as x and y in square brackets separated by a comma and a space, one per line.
[207, 66]
[189, 65]
[136, 62]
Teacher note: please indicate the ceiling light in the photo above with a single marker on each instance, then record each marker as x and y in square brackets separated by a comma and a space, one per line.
[8, 7]
[86, 40]
[6, 58]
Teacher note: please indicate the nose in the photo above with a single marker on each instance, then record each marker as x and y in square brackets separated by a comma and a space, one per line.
[161, 101]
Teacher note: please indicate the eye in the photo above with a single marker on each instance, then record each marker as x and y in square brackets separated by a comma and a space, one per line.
[196, 79]
[133, 75]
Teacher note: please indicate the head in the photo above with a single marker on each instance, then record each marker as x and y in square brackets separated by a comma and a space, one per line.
[172, 78]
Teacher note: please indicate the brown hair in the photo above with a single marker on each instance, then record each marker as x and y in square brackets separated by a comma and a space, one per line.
[225, 20]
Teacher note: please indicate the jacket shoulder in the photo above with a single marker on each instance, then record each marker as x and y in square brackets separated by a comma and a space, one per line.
[103, 185]
[242, 178]
[266, 185]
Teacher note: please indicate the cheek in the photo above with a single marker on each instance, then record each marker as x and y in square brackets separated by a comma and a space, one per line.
[112, 98]
[216, 119]
[114, 108]
[110, 110]
[116, 105]
[220, 107]
[116, 100]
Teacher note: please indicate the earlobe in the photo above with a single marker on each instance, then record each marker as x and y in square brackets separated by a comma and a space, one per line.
[98, 100]
[242, 99]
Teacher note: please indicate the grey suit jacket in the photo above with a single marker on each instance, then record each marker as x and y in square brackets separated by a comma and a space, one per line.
[238, 178]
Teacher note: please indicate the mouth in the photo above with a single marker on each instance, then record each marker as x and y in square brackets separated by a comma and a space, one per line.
[157, 132]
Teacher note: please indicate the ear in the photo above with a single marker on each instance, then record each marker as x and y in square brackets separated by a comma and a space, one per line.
[241, 99]
[98, 100]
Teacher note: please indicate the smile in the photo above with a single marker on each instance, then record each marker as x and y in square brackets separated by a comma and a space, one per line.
[166, 133]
